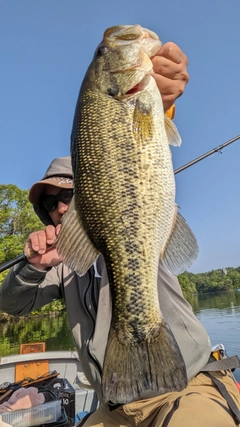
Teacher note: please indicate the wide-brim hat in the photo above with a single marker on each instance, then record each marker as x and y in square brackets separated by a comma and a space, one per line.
[59, 174]
[38, 188]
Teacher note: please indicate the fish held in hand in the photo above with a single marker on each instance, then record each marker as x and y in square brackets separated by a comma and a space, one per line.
[124, 207]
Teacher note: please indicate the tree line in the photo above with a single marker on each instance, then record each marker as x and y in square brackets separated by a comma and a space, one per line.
[212, 281]
[18, 220]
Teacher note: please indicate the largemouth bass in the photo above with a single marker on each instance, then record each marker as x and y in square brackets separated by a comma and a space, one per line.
[124, 207]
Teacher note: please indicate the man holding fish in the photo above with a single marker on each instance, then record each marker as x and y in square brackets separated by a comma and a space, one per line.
[121, 242]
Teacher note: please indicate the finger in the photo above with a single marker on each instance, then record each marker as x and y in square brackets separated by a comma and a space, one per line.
[173, 52]
[37, 241]
[57, 230]
[170, 90]
[169, 86]
[28, 249]
[50, 234]
[51, 257]
[32, 253]
[47, 259]
[170, 69]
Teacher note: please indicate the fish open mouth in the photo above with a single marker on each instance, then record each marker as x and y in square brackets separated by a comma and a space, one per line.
[139, 86]
[135, 89]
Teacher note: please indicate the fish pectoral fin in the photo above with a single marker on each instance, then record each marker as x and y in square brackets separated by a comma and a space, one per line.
[130, 370]
[181, 249]
[74, 245]
[172, 133]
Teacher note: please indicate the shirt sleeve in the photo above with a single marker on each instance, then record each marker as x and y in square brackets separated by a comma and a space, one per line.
[25, 288]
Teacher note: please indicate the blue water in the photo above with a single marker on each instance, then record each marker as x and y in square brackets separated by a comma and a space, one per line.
[220, 315]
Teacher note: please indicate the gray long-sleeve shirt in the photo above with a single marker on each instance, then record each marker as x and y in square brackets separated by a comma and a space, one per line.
[88, 304]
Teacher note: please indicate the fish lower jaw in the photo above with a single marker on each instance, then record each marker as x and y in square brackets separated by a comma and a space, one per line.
[139, 86]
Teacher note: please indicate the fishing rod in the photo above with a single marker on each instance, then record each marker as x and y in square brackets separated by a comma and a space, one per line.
[12, 262]
[22, 257]
[218, 149]
[209, 153]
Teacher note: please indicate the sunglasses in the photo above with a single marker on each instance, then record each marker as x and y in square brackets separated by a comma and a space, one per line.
[50, 202]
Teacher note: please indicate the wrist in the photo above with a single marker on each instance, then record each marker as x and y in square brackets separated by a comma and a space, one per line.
[40, 267]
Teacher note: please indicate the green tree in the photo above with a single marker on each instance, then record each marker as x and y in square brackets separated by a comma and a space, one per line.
[188, 287]
[234, 275]
[17, 221]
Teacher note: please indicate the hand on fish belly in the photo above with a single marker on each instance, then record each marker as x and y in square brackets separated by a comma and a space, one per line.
[124, 207]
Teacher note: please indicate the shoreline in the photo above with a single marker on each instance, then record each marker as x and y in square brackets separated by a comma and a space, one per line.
[4, 317]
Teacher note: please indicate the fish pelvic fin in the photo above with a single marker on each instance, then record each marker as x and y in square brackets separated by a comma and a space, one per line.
[181, 249]
[74, 245]
[130, 371]
[172, 133]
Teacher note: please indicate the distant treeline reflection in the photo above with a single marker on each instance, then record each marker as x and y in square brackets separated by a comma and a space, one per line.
[225, 300]
[53, 330]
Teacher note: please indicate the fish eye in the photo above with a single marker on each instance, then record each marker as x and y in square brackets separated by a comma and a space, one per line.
[101, 50]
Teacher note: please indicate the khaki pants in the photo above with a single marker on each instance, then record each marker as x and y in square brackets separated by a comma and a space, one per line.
[199, 405]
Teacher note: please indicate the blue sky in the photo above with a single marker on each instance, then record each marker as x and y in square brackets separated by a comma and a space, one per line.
[46, 47]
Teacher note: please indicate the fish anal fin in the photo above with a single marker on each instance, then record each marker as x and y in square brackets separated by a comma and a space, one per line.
[74, 245]
[131, 371]
[181, 249]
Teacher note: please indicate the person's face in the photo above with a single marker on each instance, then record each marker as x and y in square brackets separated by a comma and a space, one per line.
[60, 206]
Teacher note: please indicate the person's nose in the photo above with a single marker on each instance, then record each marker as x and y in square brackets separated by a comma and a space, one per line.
[62, 207]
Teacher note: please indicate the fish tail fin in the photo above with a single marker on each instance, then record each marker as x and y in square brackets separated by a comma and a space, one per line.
[155, 364]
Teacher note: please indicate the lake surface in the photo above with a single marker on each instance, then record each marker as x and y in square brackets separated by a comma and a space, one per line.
[218, 312]
[220, 315]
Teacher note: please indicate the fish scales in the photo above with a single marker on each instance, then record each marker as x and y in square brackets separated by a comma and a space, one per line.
[124, 207]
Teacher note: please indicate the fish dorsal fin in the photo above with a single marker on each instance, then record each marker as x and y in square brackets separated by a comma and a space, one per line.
[172, 133]
[74, 245]
[181, 249]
